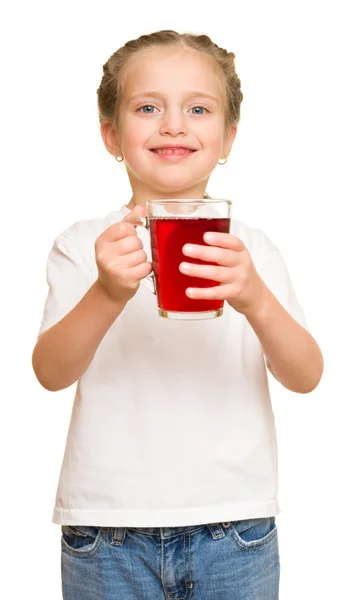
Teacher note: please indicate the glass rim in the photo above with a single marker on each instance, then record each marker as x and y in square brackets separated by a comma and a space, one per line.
[189, 201]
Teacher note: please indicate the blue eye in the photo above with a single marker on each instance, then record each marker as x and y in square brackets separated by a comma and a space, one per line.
[197, 110]
[147, 107]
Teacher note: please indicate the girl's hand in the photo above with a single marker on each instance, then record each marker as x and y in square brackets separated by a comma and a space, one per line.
[239, 282]
[120, 258]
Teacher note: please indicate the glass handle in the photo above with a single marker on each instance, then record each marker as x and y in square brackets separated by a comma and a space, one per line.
[149, 280]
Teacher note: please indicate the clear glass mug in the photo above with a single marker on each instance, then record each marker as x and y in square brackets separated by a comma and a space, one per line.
[173, 223]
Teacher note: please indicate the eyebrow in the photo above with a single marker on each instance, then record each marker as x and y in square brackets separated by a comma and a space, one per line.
[190, 95]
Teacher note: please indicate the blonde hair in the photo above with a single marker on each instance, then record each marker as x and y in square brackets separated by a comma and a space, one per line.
[109, 91]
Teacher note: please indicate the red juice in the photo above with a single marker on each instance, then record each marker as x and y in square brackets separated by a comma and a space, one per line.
[168, 236]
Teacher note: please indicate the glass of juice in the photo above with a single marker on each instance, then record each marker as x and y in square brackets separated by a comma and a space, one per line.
[172, 224]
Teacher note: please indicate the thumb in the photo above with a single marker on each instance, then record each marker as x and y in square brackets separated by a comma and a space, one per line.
[136, 216]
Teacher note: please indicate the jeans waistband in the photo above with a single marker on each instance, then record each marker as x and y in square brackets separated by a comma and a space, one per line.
[168, 532]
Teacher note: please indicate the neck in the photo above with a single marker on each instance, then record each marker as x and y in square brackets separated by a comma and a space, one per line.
[142, 197]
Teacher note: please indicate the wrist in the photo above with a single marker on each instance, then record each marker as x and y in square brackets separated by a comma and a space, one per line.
[258, 310]
[110, 304]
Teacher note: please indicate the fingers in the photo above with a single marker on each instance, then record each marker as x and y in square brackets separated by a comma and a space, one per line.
[140, 271]
[116, 232]
[125, 228]
[211, 272]
[133, 259]
[120, 257]
[208, 293]
[107, 252]
[131, 243]
[136, 217]
[220, 256]
[139, 210]
[224, 240]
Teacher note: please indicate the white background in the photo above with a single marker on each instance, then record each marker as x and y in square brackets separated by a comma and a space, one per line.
[287, 174]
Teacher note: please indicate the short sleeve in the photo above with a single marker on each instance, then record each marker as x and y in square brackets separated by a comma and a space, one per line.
[68, 280]
[272, 269]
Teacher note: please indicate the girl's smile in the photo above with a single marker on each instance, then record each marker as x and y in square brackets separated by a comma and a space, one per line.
[173, 153]
[171, 128]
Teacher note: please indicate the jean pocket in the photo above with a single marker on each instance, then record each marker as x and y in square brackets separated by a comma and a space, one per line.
[80, 539]
[253, 533]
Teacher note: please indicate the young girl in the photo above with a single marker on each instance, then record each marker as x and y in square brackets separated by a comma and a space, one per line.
[168, 488]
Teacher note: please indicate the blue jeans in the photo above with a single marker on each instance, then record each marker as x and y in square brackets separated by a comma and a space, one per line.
[218, 561]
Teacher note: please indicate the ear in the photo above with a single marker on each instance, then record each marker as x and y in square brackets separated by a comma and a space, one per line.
[110, 138]
[229, 140]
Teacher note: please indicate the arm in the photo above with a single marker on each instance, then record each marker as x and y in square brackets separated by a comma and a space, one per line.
[293, 356]
[64, 352]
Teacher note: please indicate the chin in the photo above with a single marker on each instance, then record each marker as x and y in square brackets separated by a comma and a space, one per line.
[177, 184]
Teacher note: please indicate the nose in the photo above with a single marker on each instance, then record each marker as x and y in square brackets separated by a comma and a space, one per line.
[173, 123]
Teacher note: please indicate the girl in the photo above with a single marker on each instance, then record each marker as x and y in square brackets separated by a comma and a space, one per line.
[168, 487]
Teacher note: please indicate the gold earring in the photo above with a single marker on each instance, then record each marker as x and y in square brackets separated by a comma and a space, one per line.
[223, 163]
[119, 158]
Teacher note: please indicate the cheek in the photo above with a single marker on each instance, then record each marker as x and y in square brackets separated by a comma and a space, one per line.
[213, 148]
[212, 135]
[131, 140]
[135, 134]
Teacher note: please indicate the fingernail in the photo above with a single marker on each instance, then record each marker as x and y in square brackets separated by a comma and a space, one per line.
[184, 266]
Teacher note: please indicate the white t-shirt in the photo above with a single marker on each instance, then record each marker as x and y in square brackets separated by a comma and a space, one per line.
[172, 423]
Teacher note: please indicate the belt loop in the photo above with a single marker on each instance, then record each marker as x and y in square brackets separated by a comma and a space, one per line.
[118, 535]
[216, 530]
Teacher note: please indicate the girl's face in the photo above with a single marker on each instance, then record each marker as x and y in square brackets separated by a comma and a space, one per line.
[171, 123]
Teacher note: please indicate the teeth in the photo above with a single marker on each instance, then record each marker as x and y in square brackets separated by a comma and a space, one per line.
[172, 150]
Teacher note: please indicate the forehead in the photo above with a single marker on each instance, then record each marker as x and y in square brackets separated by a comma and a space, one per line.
[171, 69]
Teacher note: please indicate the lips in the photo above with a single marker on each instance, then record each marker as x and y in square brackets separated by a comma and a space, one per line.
[175, 151]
